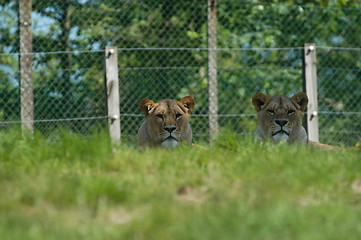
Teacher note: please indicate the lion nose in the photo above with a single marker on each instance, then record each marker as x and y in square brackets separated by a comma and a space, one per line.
[169, 128]
[281, 122]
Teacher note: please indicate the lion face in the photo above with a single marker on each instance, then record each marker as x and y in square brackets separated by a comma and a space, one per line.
[280, 117]
[167, 122]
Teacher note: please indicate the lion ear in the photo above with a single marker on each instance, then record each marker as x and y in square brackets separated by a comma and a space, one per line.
[146, 105]
[188, 102]
[301, 99]
[259, 100]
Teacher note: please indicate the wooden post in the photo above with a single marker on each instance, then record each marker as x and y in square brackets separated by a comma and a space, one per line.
[310, 85]
[25, 65]
[112, 87]
[212, 70]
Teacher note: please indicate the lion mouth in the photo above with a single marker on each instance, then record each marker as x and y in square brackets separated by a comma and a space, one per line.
[170, 137]
[280, 132]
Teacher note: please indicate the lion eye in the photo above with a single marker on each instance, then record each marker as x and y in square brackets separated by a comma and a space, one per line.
[271, 112]
[160, 116]
[178, 115]
[290, 112]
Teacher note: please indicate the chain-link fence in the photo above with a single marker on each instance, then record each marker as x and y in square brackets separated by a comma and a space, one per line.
[163, 53]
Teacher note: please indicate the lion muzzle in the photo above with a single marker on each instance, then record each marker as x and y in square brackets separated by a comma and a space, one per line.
[280, 136]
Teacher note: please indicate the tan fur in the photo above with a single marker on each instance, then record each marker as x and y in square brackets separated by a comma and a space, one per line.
[324, 146]
[280, 117]
[167, 122]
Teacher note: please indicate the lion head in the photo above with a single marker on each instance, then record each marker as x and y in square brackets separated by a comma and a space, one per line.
[167, 122]
[280, 117]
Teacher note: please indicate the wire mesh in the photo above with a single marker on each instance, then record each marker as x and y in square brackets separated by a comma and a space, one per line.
[162, 53]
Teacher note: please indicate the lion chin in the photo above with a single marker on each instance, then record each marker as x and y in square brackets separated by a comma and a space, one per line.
[170, 143]
[280, 137]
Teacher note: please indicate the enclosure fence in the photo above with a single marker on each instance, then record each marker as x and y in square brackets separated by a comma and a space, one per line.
[168, 49]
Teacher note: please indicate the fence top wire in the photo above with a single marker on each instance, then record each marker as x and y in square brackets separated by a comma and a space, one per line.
[237, 49]
[185, 49]
[54, 120]
[207, 67]
[55, 52]
[243, 114]
[297, 5]
[165, 68]
[210, 49]
[54, 70]
[339, 48]
[141, 115]
[340, 113]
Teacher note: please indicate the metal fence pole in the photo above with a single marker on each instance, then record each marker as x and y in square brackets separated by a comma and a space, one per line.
[310, 85]
[212, 69]
[25, 64]
[112, 87]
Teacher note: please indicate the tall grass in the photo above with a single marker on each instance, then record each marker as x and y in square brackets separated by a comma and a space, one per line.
[76, 188]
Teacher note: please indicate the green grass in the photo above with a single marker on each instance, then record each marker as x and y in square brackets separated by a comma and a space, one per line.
[74, 188]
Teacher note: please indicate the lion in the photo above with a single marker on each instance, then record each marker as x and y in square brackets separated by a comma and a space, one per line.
[167, 122]
[280, 117]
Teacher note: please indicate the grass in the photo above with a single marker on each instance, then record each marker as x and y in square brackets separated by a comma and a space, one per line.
[74, 188]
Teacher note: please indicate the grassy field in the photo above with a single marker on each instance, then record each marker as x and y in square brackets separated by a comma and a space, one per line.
[74, 188]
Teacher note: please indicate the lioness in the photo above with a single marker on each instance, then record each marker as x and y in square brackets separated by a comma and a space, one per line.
[280, 117]
[167, 122]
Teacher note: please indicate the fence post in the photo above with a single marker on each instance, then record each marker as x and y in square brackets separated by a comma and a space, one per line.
[112, 89]
[310, 85]
[212, 70]
[26, 68]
